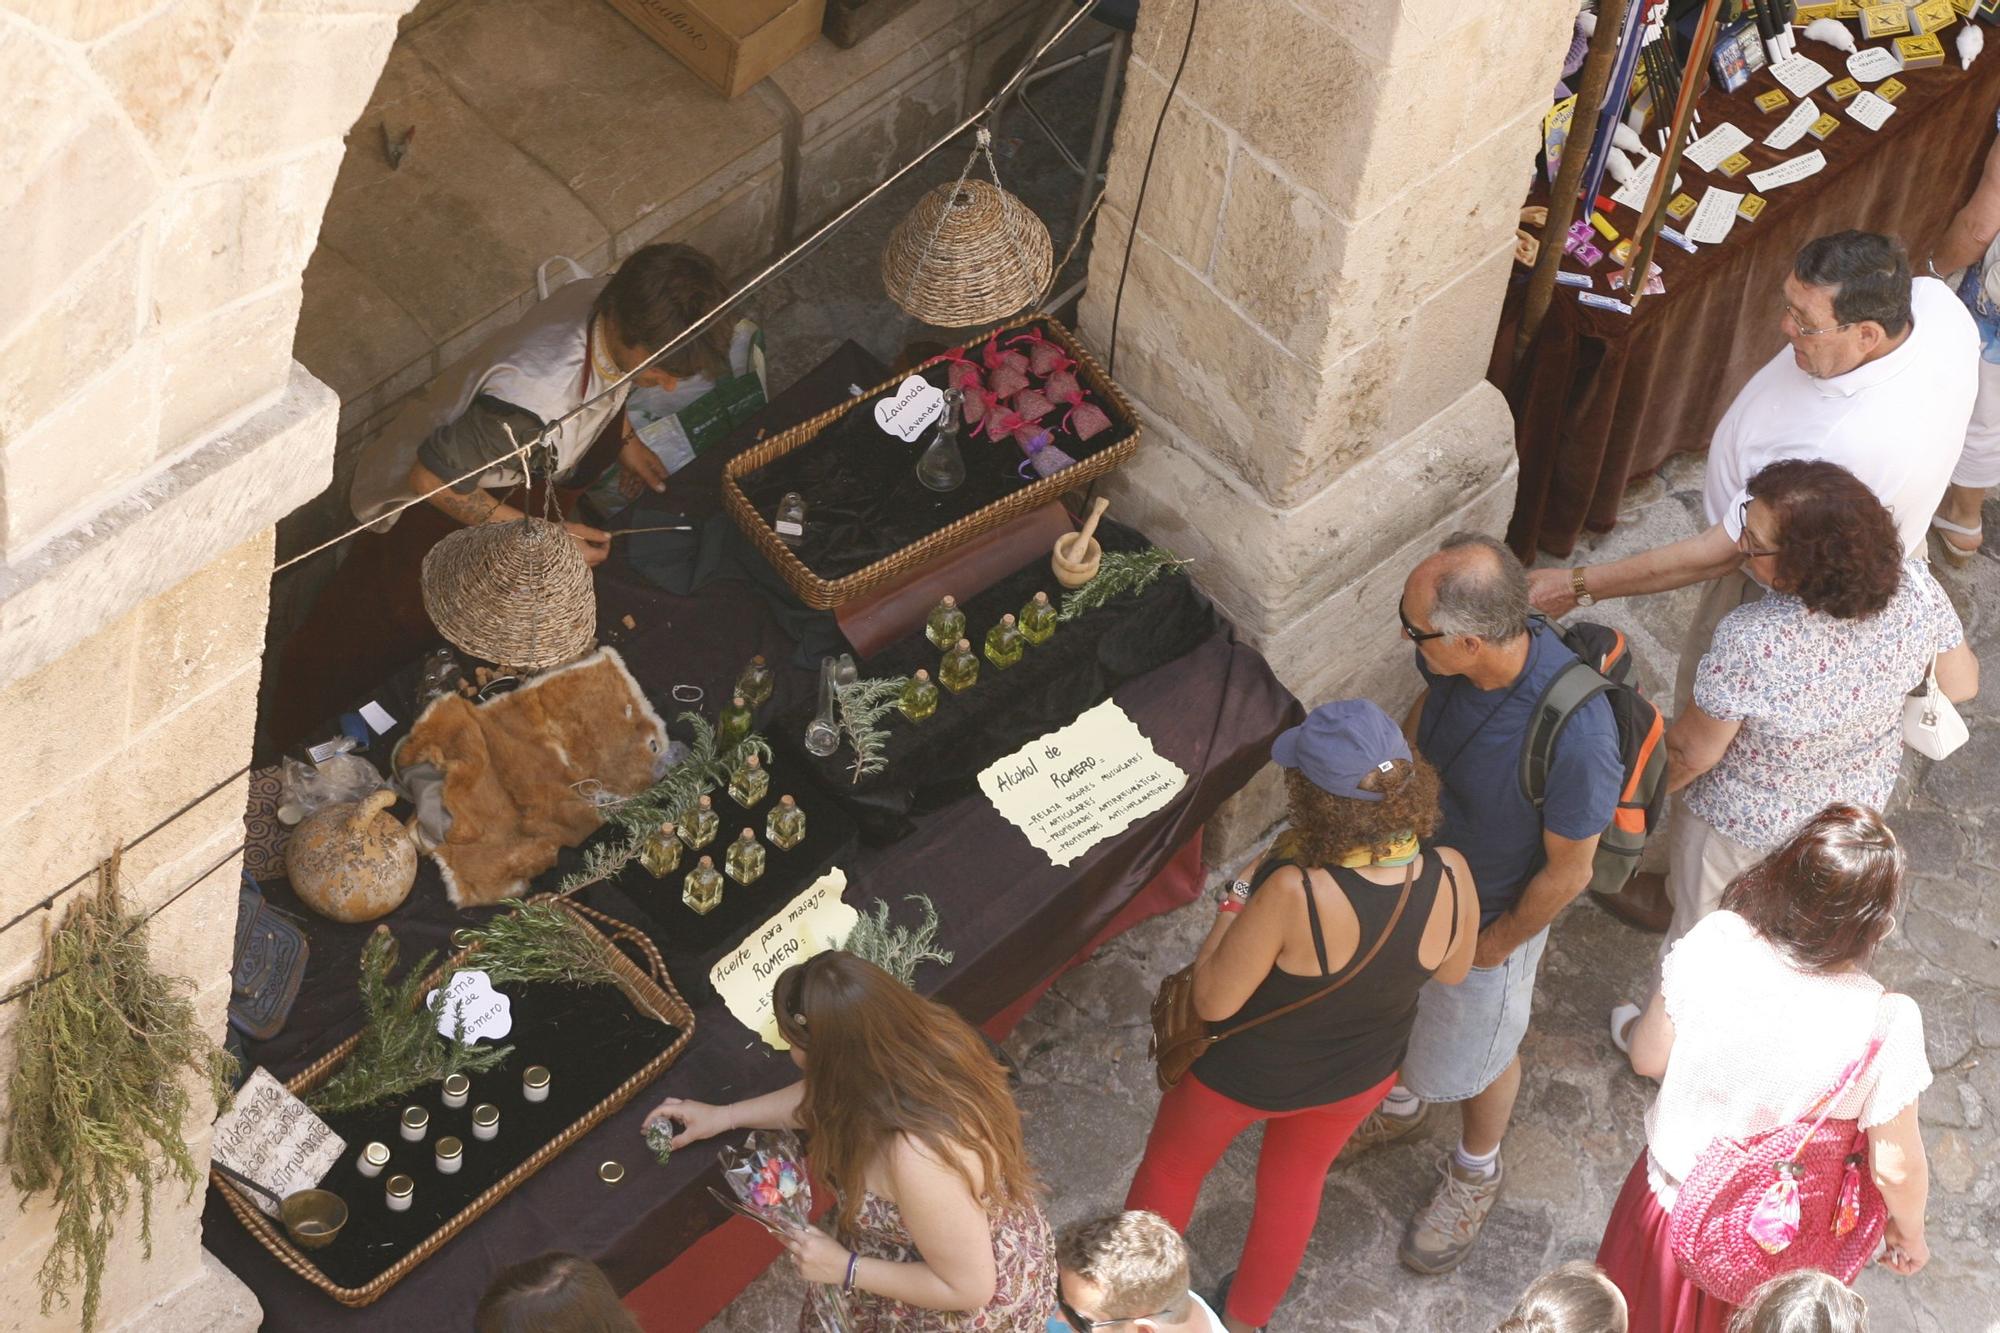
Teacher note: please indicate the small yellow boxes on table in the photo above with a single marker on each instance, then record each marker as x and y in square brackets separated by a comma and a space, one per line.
[1773, 100]
[1884, 20]
[1932, 16]
[1842, 89]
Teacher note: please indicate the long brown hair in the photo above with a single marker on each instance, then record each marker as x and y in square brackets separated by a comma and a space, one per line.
[1827, 897]
[882, 1061]
[552, 1293]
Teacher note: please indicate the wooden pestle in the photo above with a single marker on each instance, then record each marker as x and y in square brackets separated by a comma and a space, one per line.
[1079, 543]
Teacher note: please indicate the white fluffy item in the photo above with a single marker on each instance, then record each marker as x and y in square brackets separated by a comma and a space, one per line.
[1971, 41]
[1833, 32]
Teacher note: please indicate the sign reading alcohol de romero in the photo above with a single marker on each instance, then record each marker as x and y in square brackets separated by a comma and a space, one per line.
[1075, 787]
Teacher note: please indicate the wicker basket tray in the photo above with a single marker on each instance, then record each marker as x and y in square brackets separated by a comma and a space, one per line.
[652, 995]
[824, 594]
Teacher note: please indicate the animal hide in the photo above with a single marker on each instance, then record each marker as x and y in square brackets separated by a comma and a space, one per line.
[515, 767]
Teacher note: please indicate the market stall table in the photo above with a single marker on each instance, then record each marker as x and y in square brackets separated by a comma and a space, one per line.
[1603, 398]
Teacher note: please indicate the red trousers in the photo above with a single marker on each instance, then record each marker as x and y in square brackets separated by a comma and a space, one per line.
[1638, 1257]
[1196, 1123]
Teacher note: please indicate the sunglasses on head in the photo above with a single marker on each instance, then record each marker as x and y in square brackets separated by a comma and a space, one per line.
[1082, 1325]
[1410, 631]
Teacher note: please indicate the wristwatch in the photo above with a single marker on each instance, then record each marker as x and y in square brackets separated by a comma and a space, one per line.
[1237, 894]
[1581, 593]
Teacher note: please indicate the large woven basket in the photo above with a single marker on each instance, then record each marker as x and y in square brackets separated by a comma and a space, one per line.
[967, 254]
[825, 594]
[651, 992]
[516, 593]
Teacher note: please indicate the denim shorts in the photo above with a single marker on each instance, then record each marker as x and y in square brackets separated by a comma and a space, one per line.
[1466, 1035]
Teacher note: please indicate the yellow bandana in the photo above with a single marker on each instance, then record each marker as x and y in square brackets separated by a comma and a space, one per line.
[1400, 851]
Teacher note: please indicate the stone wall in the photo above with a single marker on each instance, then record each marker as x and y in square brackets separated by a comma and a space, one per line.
[1309, 306]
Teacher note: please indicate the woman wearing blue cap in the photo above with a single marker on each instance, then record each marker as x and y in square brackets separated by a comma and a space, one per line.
[1348, 893]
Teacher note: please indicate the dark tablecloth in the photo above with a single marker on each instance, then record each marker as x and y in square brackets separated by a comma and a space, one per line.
[1603, 398]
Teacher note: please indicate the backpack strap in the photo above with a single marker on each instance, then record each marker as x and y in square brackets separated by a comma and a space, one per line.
[1567, 691]
[1409, 878]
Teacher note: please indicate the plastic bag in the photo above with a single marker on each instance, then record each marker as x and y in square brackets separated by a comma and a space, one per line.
[305, 787]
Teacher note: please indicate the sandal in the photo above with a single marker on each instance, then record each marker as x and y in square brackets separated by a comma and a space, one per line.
[1622, 1019]
[1957, 555]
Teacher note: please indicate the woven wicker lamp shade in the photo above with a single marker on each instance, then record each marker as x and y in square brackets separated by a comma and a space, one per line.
[968, 254]
[517, 593]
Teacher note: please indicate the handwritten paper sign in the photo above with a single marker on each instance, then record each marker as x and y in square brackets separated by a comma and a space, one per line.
[1806, 164]
[906, 412]
[1870, 110]
[812, 923]
[1793, 128]
[1872, 63]
[1714, 216]
[1632, 192]
[1710, 149]
[1800, 74]
[268, 1135]
[469, 998]
[1075, 787]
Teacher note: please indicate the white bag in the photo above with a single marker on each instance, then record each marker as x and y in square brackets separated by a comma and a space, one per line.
[1931, 725]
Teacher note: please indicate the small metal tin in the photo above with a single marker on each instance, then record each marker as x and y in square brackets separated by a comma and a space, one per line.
[457, 1087]
[611, 1172]
[450, 1154]
[463, 938]
[416, 1123]
[373, 1158]
[485, 1121]
[400, 1193]
[535, 1083]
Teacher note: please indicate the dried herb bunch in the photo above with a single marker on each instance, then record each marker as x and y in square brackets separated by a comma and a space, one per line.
[1119, 573]
[100, 1089]
[539, 942]
[399, 1048]
[859, 709]
[895, 949]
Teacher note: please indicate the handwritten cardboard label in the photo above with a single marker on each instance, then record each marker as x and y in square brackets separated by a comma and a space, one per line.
[1793, 127]
[1873, 63]
[270, 1136]
[1710, 149]
[812, 923]
[1714, 216]
[1797, 169]
[1870, 110]
[914, 406]
[1079, 785]
[469, 997]
[1800, 74]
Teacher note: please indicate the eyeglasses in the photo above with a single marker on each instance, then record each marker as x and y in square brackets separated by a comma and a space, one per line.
[1805, 332]
[1410, 631]
[1082, 1325]
[1744, 535]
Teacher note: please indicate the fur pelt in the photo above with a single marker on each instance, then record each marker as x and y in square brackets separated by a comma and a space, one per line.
[516, 768]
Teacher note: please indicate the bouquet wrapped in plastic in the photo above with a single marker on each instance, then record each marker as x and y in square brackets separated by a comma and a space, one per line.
[768, 1177]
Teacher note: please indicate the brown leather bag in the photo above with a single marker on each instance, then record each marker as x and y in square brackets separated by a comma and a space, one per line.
[1181, 1036]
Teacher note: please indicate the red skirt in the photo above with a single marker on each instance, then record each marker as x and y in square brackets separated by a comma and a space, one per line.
[1637, 1255]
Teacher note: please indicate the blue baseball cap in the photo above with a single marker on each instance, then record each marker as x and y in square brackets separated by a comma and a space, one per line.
[1341, 743]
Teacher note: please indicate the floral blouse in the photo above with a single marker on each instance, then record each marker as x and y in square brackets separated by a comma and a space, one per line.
[1024, 1257]
[1821, 703]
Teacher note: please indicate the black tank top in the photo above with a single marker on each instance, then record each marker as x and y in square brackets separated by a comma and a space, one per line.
[1355, 1037]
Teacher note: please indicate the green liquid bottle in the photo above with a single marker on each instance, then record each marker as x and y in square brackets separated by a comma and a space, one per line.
[946, 624]
[1004, 644]
[734, 723]
[959, 671]
[748, 784]
[700, 825]
[702, 891]
[920, 697]
[661, 854]
[745, 861]
[786, 826]
[756, 682]
[1038, 620]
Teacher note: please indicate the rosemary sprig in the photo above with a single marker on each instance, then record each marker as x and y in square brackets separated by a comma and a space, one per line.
[1119, 573]
[859, 709]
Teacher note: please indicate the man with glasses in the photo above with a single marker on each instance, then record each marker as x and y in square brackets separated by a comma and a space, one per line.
[1878, 374]
[1128, 1271]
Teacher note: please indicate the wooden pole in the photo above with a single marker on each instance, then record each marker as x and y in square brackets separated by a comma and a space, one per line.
[1663, 180]
[1591, 83]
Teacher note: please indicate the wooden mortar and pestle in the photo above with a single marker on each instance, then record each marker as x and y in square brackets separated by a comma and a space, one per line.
[1078, 554]
[312, 1218]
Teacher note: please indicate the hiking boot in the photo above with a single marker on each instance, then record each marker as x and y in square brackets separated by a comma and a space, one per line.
[1641, 902]
[1443, 1231]
[1381, 1129]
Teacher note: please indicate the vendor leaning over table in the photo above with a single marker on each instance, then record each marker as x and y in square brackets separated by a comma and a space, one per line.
[558, 358]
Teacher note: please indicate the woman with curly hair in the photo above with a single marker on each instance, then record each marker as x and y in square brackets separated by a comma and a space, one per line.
[1798, 703]
[1351, 892]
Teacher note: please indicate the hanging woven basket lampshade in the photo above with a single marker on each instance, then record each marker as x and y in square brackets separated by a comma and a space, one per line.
[516, 593]
[968, 254]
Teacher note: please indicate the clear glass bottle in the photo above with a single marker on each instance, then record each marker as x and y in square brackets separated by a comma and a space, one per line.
[750, 783]
[790, 523]
[942, 466]
[959, 671]
[700, 825]
[1038, 620]
[946, 624]
[734, 724]
[661, 852]
[702, 891]
[1004, 643]
[822, 737]
[786, 825]
[756, 682]
[920, 697]
[745, 861]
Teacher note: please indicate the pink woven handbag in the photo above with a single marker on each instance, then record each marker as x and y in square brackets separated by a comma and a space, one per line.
[1800, 1195]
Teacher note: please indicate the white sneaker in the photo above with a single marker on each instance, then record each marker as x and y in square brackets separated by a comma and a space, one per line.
[1622, 1019]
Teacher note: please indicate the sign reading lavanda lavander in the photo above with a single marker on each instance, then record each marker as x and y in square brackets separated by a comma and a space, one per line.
[1073, 788]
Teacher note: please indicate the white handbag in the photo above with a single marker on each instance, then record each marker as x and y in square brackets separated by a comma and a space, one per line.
[1931, 725]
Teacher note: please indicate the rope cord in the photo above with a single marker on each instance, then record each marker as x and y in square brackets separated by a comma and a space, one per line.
[1145, 178]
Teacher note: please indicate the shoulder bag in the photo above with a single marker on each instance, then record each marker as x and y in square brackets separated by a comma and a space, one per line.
[1181, 1035]
[1931, 724]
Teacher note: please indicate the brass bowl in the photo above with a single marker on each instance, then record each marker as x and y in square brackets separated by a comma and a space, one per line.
[312, 1218]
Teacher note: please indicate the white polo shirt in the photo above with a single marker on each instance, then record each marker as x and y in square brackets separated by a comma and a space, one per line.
[1897, 423]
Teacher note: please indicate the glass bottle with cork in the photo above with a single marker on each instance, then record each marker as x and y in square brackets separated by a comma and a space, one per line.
[734, 724]
[745, 860]
[785, 827]
[699, 825]
[702, 891]
[1038, 620]
[1004, 644]
[959, 671]
[920, 697]
[661, 852]
[946, 623]
[756, 682]
[750, 782]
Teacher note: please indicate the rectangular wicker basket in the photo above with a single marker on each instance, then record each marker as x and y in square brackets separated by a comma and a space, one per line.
[825, 594]
[651, 992]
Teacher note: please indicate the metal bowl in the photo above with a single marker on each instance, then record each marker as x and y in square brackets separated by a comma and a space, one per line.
[312, 1218]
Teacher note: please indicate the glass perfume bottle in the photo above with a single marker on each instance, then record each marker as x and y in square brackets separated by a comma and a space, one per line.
[749, 783]
[756, 682]
[822, 738]
[1038, 620]
[700, 825]
[745, 861]
[661, 854]
[1004, 643]
[946, 624]
[786, 826]
[702, 891]
[790, 523]
[959, 671]
[920, 697]
[942, 466]
[734, 724]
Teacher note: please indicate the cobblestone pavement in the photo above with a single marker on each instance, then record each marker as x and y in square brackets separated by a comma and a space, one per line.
[1088, 1095]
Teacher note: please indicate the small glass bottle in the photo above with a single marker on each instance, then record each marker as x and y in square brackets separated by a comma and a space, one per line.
[1038, 620]
[700, 825]
[373, 1158]
[1004, 643]
[750, 783]
[946, 624]
[745, 861]
[790, 524]
[959, 671]
[920, 697]
[785, 827]
[734, 724]
[703, 890]
[661, 852]
[756, 682]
